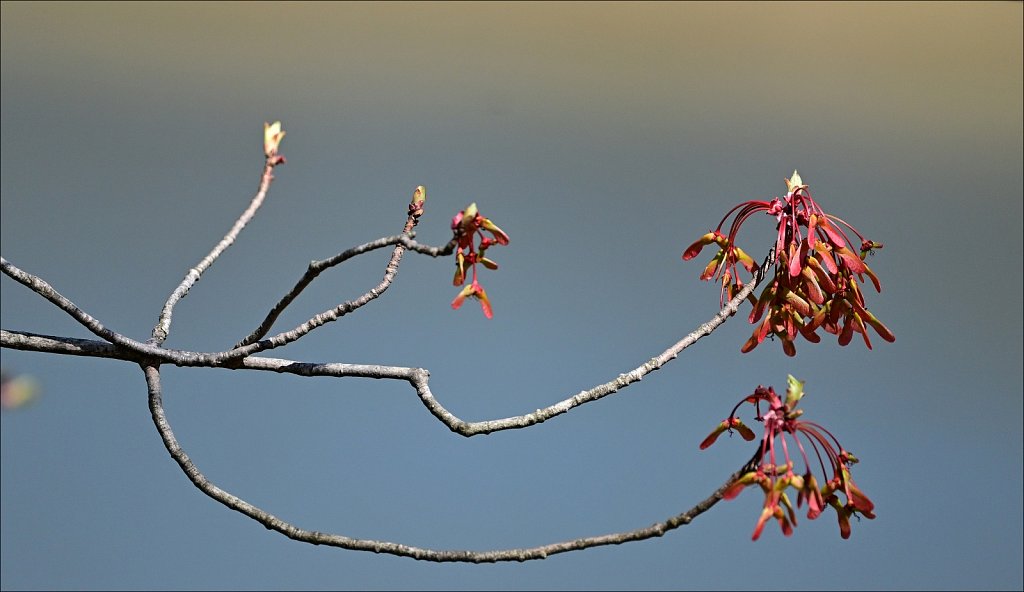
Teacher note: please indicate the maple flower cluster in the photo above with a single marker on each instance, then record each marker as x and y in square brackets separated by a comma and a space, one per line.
[817, 279]
[774, 471]
[468, 228]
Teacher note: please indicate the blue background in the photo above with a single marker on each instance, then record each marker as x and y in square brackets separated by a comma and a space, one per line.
[604, 138]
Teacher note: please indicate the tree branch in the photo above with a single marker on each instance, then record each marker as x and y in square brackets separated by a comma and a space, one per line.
[41, 287]
[68, 346]
[150, 355]
[251, 344]
[272, 522]
[598, 392]
[163, 324]
[317, 267]
[417, 377]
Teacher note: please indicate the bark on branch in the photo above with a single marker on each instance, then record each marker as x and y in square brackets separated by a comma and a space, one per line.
[150, 355]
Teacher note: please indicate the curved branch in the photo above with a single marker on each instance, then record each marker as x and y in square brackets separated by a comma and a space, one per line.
[41, 287]
[424, 554]
[249, 345]
[442, 251]
[417, 377]
[317, 267]
[163, 324]
[131, 350]
[420, 381]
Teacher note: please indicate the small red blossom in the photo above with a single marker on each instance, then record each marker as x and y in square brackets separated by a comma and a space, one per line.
[774, 475]
[817, 279]
[468, 227]
[474, 290]
[728, 425]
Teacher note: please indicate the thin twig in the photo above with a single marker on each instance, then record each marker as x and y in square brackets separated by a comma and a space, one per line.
[317, 267]
[44, 289]
[151, 354]
[417, 377]
[424, 554]
[68, 346]
[249, 346]
[134, 351]
[442, 251]
[163, 324]
[420, 381]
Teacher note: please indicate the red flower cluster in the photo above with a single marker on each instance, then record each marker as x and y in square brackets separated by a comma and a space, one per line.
[775, 477]
[816, 272]
[468, 226]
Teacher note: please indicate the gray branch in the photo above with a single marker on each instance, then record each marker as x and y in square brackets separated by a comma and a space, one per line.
[44, 289]
[163, 324]
[149, 357]
[418, 378]
[317, 267]
[152, 354]
[441, 556]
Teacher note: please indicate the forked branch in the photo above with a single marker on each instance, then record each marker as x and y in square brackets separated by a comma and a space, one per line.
[151, 355]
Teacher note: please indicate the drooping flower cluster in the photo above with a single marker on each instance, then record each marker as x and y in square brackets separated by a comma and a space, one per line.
[468, 227]
[818, 276]
[774, 472]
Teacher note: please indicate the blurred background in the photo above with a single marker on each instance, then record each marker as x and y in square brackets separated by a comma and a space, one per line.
[604, 138]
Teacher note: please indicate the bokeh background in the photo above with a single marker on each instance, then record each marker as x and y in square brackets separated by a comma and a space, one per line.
[604, 138]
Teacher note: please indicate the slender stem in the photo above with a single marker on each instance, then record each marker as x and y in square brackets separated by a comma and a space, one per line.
[250, 344]
[423, 554]
[420, 381]
[44, 289]
[317, 267]
[418, 378]
[163, 324]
